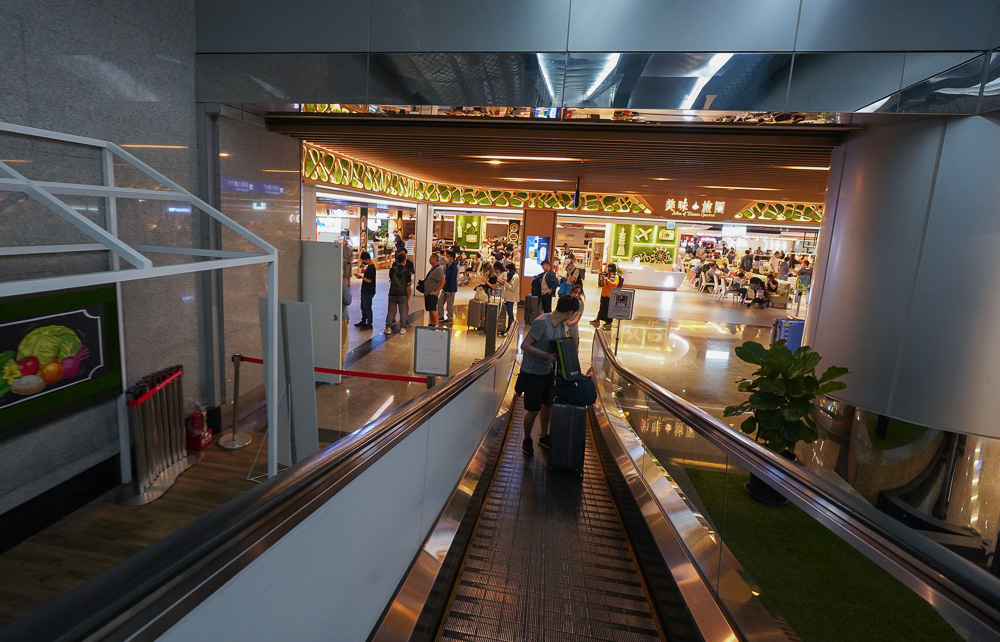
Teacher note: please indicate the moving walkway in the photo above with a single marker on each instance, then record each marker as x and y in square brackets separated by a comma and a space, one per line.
[429, 523]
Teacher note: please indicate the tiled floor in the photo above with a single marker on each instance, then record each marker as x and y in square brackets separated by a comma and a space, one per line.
[549, 560]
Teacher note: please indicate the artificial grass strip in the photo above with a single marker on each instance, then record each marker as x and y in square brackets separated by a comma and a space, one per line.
[825, 589]
[898, 433]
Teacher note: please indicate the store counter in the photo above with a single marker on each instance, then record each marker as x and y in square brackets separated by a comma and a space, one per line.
[644, 277]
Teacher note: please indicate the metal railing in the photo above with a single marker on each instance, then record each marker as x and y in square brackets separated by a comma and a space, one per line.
[955, 587]
[152, 590]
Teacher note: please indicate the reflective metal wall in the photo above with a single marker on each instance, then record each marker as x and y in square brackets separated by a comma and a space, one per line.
[798, 55]
[907, 301]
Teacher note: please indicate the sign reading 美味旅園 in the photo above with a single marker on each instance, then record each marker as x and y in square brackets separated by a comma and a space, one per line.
[694, 208]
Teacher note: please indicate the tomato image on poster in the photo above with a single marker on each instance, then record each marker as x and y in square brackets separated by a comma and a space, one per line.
[58, 353]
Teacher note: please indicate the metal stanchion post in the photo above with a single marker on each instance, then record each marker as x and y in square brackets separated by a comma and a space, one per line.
[236, 439]
[430, 381]
[618, 333]
[492, 312]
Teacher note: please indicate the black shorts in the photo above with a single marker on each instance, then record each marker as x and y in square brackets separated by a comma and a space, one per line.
[431, 302]
[537, 389]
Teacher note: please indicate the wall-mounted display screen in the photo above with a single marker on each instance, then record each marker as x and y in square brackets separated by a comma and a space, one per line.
[58, 354]
[536, 250]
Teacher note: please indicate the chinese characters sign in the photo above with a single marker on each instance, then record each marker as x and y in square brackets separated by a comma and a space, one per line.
[694, 208]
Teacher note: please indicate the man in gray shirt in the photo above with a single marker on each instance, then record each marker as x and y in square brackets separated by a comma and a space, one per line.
[433, 283]
[536, 378]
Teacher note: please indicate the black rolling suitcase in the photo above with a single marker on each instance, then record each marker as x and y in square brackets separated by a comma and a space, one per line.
[532, 308]
[567, 436]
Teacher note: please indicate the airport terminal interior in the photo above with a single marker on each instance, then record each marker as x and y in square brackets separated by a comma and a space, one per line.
[398, 320]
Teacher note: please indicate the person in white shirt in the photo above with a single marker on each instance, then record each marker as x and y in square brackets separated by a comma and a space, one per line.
[409, 245]
[511, 295]
[775, 262]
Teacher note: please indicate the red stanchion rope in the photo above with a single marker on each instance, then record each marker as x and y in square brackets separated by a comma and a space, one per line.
[353, 373]
[155, 389]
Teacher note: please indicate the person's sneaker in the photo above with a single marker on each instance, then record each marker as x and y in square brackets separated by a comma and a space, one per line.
[596, 323]
[607, 326]
[544, 442]
[402, 330]
[527, 447]
[358, 324]
[388, 329]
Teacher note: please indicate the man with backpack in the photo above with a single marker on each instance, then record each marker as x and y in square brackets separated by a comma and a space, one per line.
[746, 262]
[535, 379]
[399, 285]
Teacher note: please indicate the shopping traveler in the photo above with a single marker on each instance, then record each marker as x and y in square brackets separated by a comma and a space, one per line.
[549, 285]
[608, 281]
[573, 323]
[446, 302]
[536, 377]
[432, 285]
[511, 295]
[399, 284]
[367, 277]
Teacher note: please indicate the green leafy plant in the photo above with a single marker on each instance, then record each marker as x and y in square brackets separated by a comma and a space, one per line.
[781, 394]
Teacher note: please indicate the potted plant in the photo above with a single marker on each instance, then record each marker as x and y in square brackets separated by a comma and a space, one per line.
[781, 397]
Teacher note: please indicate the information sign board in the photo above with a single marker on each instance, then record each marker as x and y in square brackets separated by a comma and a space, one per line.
[431, 351]
[620, 305]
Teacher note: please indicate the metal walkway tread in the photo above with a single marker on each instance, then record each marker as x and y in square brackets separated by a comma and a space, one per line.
[549, 559]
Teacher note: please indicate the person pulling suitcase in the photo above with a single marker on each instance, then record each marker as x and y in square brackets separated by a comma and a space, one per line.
[535, 380]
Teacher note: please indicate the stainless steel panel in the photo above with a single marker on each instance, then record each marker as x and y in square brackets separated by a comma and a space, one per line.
[895, 25]
[708, 26]
[286, 77]
[882, 199]
[721, 81]
[495, 79]
[923, 65]
[262, 26]
[955, 91]
[991, 88]
[951, 346]
[459, 25]
[843, 81]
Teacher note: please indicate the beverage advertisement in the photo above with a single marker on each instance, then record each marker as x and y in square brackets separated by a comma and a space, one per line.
[58, 353]
[536, 250]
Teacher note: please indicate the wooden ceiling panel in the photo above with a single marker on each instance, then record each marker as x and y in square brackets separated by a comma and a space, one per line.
[616, 158]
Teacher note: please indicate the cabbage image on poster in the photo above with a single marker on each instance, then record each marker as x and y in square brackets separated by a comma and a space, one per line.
[58, 354]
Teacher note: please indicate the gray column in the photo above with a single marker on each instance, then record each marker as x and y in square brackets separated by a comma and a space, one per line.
[906, 295]
[423, 239]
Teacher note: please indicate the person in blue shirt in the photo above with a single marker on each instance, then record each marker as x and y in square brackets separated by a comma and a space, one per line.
[550, 283]
[447, 298]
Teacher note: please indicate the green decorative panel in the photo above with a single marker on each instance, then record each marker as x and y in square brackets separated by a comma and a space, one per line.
[782, 212]
[655, 244]
[324, 166]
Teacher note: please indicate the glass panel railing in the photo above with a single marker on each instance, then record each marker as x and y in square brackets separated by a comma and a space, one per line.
[799, 567]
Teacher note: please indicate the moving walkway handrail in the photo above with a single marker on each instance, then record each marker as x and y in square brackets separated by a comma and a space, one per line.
[151, 590]
[941, 577]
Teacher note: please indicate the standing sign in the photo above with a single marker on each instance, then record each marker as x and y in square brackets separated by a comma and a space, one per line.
[620, 305]
[431, 351]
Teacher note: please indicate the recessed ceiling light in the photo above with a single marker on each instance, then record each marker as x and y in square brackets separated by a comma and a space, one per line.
[495, 162]
[755, 189]
[13, 160]
[224, 154]
[662, 179]
[818, 169]
[530, 158]
[534, 180]
[281, 171]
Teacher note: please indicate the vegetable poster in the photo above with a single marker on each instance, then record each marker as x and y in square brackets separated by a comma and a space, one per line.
[58, 353]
